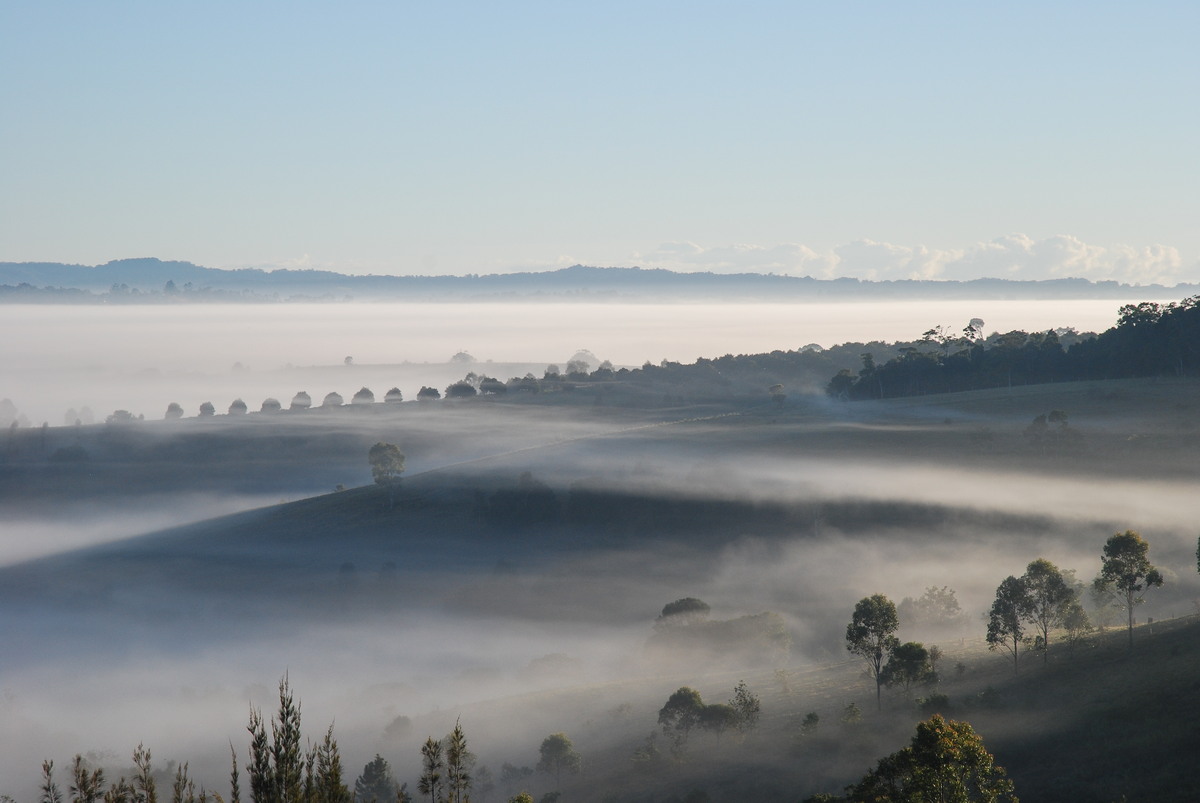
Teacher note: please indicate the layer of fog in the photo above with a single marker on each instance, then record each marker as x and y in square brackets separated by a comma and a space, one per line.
[180, 674]
[140, 358]
[73, 527]
[468, 636]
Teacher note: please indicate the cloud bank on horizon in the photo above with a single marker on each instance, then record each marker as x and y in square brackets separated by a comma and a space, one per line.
[1015, 256]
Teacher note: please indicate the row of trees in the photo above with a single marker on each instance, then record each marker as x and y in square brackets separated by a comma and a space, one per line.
[278, 769]
[301, 401]
[1028, 607]
[686, 711]
[1025, 611]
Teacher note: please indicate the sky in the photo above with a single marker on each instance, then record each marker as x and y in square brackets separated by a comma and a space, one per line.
[869, 139]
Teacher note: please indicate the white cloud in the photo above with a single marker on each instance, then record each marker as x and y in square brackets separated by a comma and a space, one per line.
[1015, 256]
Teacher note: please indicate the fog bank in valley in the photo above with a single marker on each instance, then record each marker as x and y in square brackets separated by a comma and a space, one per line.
[464, 595]
[141, 358]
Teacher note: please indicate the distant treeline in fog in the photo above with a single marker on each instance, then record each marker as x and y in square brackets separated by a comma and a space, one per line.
[1149, 339]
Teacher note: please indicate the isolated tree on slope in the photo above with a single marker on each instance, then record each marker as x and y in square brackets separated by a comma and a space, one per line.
[871, 635]
[747, 705]
[557, 753]
[387, 464]
[680, 714]
[1049, 599]
[909, 664]
[718, 718]
[1006, 620]
[686, 611]
[1126, 572]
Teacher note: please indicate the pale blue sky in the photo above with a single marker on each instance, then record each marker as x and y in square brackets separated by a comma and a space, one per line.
[871, 139]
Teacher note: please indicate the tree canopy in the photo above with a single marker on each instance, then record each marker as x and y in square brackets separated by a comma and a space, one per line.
[1007, 617]
[556, 755]
[945, 762]
[387, 462]
[871, 635]
[1126, 571]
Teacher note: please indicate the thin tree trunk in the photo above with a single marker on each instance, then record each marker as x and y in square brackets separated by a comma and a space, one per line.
[1129, 607]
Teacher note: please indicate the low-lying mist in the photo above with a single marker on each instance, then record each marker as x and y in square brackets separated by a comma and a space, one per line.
[67, 358]
[517, 579]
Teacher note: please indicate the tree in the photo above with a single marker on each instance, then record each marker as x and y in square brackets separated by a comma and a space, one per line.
[393, 396]
[718, 718]
[286, 756]
[557, 753]
[387, 464]
[680, 714]
[375, 784]
[238, 407]
[1076, 623]
[1048, 599]
[363, 396]
[871, 636]
[270, 405]
[937, 607]
[747, 706]
[483, 783]
[458, 764]
[146, 787]
[490, 386]
[207, 409]
[332, 399]
[324, 783]
[460, 390]
[86, 787]
[684, 612]
[1126, 572]
[301, 401]
[908, 664]
[946, 762]
[279, 771]
[235, 787]
[511, 774]
[431, 782]
[50, 790]
[173, 411]
[426, 394]
[1006, 620]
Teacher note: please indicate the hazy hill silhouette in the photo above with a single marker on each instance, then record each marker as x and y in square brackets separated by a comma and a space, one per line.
[149, 275]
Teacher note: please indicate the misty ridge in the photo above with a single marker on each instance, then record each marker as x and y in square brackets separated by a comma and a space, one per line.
[150, 280]
[607, 554]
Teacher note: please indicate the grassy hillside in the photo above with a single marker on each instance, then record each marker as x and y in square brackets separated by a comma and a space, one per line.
[516, 580]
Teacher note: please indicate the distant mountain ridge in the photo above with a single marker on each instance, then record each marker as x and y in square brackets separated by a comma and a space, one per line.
[146, 279]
